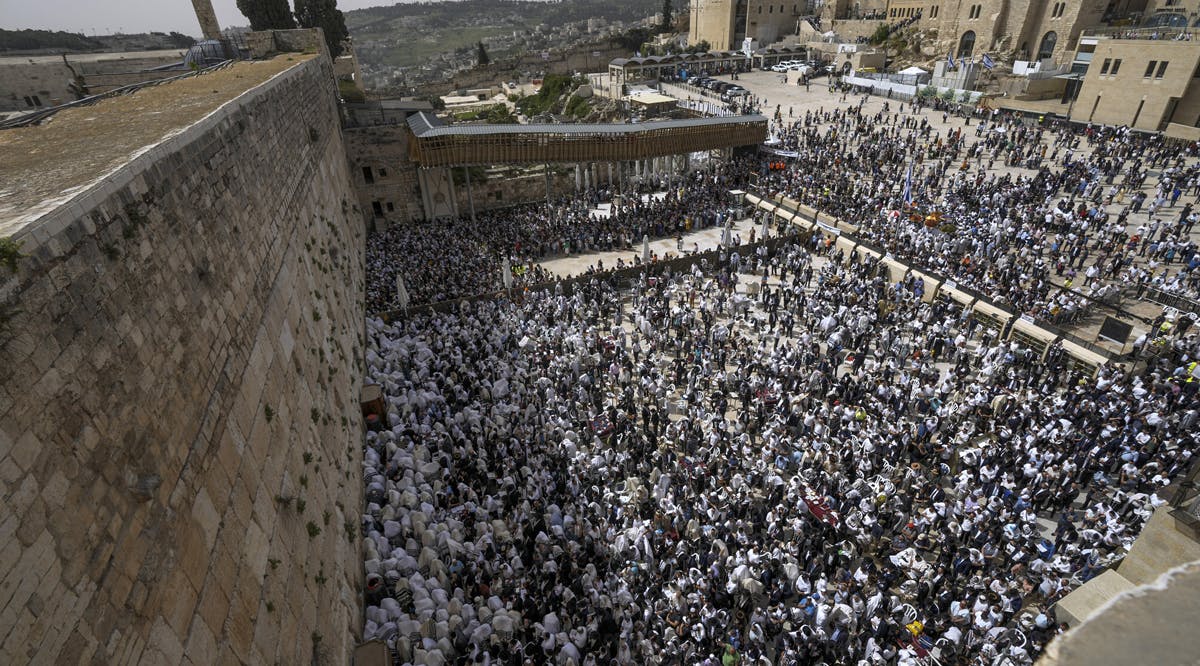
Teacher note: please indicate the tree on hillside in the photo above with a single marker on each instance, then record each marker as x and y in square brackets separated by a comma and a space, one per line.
[667, 23]
[18, 40]
[267, 14]
[325, 15]
[481, 55]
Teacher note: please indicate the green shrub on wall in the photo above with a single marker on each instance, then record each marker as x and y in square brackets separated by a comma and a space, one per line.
[10, 253]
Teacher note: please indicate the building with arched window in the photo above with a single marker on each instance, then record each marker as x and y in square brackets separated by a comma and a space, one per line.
[1006, 30]
[966, 45]
[1019, 31]
[1172, 14]
[1046, 49]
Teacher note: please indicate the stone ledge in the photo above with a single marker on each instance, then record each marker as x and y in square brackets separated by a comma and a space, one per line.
[38, 230]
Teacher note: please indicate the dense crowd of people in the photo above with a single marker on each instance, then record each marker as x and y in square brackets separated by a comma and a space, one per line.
[934, 197]
[832, 472]
[780, 456]
[445, 260]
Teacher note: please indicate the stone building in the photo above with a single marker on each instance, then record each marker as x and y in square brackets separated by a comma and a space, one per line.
[725, 24]
[383, 173]
[1171, 13]
[1141, 82]
[34, 82]
[852, 10]
[1023, 30]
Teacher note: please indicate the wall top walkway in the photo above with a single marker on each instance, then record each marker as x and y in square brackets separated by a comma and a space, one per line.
[88, 152]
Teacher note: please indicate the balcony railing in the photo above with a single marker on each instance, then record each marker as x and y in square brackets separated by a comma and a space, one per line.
[1159, 33]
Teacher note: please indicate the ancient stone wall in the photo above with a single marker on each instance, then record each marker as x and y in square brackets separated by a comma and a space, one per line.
[712, 21]
[49, 79]
[382, 152]
[20, 81]
[180, 441]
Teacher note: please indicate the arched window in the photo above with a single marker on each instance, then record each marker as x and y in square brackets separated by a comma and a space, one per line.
[1047, 48]
[966, 45]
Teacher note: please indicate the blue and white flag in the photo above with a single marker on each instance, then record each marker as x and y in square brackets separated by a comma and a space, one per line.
[950, 60]
[908, 193]
[988, 62]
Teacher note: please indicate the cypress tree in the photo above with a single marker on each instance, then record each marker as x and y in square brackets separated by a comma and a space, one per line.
[325, 15]
[267, 14]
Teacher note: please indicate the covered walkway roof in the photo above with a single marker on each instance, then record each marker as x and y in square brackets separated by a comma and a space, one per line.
[438, 145]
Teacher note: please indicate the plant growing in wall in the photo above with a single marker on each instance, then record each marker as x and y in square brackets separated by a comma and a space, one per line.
[10, 253]
[8, 312]
[137, 220]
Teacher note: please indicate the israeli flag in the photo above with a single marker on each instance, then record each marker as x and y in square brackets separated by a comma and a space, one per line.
[950, 60]
[908, 193]
[988, 62]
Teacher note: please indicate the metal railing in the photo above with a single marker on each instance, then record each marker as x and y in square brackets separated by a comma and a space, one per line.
[1157, 33]
[1167, 299]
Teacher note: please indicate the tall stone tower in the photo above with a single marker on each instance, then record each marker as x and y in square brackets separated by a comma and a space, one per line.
[207, 18]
